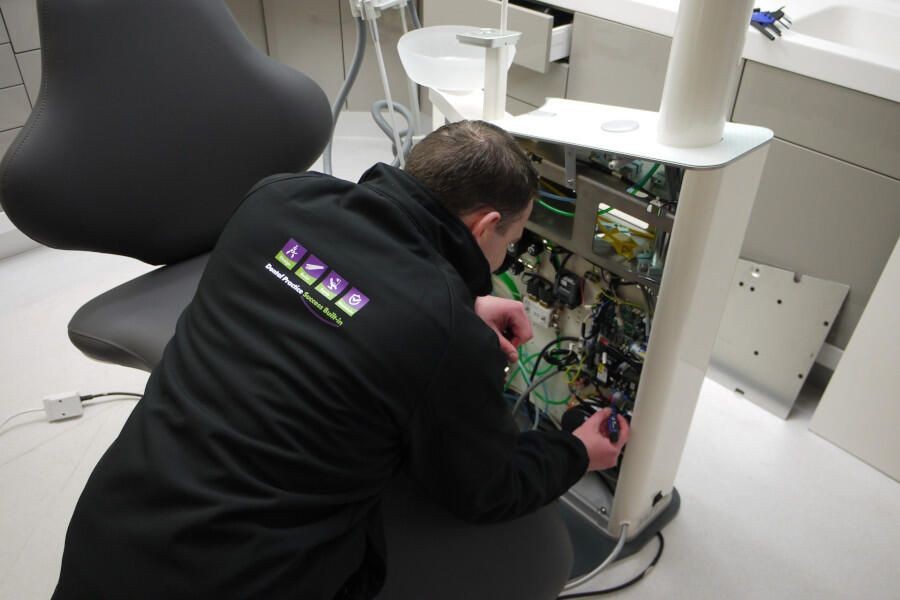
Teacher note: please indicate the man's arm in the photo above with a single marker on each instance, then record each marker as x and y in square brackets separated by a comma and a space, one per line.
[464, 447]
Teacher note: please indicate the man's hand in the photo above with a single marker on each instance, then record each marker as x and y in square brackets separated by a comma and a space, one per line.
[602, 452]
[508, 320]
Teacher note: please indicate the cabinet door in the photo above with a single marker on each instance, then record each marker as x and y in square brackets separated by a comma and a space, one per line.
[249, 15]
[535, 48]
[533, 87]
[826, 218]
[368, 87]
[860, 410]
[307, 36]
[855, 127]
[616, 64]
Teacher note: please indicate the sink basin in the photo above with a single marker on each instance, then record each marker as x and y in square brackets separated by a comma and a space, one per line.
[866, 30]
[433, 57]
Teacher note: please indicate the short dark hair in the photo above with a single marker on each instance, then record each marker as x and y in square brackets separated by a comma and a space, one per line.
[470, 165]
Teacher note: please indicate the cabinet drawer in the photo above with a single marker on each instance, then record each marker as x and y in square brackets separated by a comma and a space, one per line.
[541, 42]
[823, 217]
[855, 127]
[616, 64]
[534, 88]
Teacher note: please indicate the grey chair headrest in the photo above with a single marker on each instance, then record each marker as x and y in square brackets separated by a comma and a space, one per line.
[152, 122]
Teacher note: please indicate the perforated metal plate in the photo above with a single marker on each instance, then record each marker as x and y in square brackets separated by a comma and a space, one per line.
[774, 324]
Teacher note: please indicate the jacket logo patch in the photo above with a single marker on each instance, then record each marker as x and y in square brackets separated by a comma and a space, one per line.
[353, 302]
[311, 270]
[290, 255]
[331, 284]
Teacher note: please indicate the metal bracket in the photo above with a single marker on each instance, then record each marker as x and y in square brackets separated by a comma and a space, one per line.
[570, 166]
[489, 38]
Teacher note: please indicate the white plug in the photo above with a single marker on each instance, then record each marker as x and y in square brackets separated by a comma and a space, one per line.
[63, 406]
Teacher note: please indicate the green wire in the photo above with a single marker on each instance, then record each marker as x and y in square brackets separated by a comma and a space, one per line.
[541, 372]
[511, 285]
[564, 213]
[640, 184]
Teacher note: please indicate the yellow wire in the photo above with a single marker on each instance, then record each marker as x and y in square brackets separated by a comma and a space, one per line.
[618, 300]
[552, 187]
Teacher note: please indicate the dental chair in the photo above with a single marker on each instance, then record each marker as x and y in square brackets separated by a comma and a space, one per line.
[152, 122]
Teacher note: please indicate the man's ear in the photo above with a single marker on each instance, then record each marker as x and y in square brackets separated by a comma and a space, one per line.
[483, 221]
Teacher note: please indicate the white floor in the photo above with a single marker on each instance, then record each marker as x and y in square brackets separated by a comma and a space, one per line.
[770, 510]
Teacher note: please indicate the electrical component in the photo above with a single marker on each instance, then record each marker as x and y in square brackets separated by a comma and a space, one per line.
[539, 288]
[568, 289]
[539, 314]
[63, 406]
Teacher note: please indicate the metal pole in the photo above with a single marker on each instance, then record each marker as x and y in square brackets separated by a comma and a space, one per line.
[713, 211]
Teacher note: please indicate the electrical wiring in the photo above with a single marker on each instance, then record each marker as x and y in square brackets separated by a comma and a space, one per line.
[550, 186]
[92, 396]
[531, 387]
[618, 300]
[19, 414]
[510, 285]
[555, 197]
[639, 186]
[542, 397]
[627, 584]
[557, 211]
[602, 566]
[543, 351]
[86, 400]
[522, 370]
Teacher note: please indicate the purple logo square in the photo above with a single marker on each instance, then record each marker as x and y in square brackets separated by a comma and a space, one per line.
[311, 269]
[332, 285]
[291, 254]
[353, 302]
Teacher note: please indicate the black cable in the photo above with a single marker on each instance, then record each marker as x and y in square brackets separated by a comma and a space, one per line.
[555, 342]
[627, 584]
[92, 396]
[559, 272]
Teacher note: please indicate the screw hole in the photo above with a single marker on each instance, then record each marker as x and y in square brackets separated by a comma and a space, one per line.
[779, 301]
[752, 289]
[799, 375]
[741, 283]
[756, 353]
[825, 323]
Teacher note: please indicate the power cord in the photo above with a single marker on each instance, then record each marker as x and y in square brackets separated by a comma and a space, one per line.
[627, 584]
[70, 405]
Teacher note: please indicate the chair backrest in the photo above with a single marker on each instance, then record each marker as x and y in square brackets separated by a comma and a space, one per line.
[152, 122]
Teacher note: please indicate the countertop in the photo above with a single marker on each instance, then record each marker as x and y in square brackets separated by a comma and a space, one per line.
[863, 53]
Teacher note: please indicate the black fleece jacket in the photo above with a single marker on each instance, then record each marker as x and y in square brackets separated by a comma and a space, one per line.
[332, 341]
